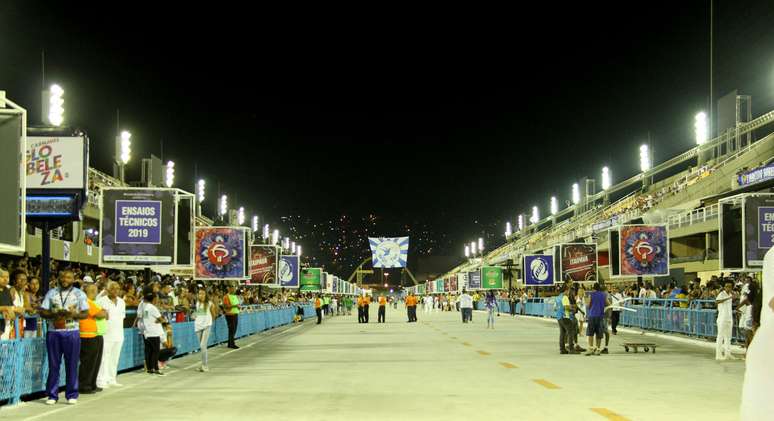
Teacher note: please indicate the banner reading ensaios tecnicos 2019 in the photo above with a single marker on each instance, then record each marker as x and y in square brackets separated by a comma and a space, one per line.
[644, 250]
[288, 272]
[538, 269]
[579, 262]
[138, 227]
[389, 252]
[220, 253]
[56, 162]
[263, 264]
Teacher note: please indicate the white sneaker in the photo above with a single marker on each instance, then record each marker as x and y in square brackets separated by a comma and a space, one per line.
[50, 402]
[204, 369]
[72, 401]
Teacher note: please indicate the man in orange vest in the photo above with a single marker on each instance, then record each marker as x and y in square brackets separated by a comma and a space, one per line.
[359, 309]
[318, 308]
[382, 308]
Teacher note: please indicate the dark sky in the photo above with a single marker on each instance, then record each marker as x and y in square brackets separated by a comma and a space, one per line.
[446, 118]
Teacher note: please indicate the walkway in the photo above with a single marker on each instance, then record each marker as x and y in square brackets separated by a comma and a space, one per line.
[437, 369]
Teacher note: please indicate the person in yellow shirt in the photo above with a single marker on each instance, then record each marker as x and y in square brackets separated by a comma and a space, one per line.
[382, 308]
[366, 302]
[359, 309]
[318, 308]
[411, 307]
[91, 344]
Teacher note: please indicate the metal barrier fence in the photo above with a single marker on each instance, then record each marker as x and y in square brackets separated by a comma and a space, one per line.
[693, 318]
[24, 367]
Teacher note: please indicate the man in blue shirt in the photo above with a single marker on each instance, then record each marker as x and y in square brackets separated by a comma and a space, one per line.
[595, 319]
[63, 307]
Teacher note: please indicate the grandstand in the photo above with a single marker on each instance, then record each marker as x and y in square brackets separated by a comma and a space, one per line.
[682, 192]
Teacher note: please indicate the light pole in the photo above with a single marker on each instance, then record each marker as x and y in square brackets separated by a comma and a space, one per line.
[123, 153]
[169, 181]
[645, 164]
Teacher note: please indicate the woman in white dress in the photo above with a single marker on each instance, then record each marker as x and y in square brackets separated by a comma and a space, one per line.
[206, 311]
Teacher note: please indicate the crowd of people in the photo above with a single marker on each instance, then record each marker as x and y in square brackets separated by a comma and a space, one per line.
[87, 308]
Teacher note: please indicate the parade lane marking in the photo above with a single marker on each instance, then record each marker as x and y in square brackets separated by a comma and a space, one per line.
[612, 416]
[483, 353]
[545, 383]
[467, 344]
[508, 365]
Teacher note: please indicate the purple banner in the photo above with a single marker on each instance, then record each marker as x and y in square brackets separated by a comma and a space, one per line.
[138, 222]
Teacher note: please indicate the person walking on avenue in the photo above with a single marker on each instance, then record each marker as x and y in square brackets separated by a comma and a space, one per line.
[564, 313]
[205, 312]
[360, 318]
[491, 307]
[615, 315]
[231, 307]
[113, 339]
[411, 307]
[366, 302]
[466, 306]
[382, 308]
[63, 307]
[318, 308]
[725, 323]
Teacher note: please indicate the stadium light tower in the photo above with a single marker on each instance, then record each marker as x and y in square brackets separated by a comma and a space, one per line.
[298, 250]
[508, 229]
[170, 175]
[55, 105]
[200, 190]
[254, 225]
[480, 245]
[467, 251]
[521, 222]
[241, 216]
[292, 247]
[554, 205]
[123, 153]
[645, 163]
[701, 129]
[223, 206]
[605, 178]
[266, 232]
[575, 194]
[535, 215]
[473, 248]
[275, 237]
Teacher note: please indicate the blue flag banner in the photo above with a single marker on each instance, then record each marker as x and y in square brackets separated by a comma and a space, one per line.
[288, 272]
[538, 269]
[389, 252]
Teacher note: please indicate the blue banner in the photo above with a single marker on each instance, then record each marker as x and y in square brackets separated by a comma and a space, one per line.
[289, 271]
[474, 280]
[138, 222]
[538, 270]
[389, 252]
[765, 227]
[756, 175]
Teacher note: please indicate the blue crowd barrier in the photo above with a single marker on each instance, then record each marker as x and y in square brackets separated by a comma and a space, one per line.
[24, 367]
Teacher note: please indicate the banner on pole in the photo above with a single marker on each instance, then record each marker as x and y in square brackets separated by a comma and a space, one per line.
[538, 270]
[264, 262]
[56, 162]
[138, 227]
[578, 262]
[644, 250]
[220, 253]
[492, 277]
[311, 279]
[289, 271]
[389, 252]
[474, 280]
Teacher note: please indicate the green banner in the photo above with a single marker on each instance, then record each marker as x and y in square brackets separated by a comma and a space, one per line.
[310, 279]
[491, 277]
[439, 285]
[421, 289]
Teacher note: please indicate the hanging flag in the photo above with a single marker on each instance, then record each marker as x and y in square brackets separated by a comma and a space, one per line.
[389, 252]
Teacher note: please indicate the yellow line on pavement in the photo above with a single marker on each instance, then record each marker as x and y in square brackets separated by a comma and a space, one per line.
[467, 344]
[483, 353]
[612, 416]
[508, 365]
[545, 383]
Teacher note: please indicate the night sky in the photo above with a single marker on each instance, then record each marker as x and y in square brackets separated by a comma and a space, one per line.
[447, 124]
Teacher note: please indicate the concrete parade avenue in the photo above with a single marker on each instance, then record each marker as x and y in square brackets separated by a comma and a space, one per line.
[436, 369]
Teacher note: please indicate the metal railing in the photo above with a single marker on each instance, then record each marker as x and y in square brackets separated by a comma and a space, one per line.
[694, 216]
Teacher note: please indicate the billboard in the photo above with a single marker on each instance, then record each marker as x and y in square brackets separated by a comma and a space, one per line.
[12, 176]
[56, 162]
[446, 285]
[538, 270]
[759, 228]
[264, 260]
[311, 279]
[453, 283]
[474, 280]
[287, 272]
[389, 252]
[220, 253]
[643, 250]
[137, 227]
[439, 285]
[491, 277]
[578, 262]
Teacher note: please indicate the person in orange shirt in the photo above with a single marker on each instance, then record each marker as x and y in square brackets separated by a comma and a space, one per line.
[366, 302]
[91, 344]
[411, 307]
[382, 308]
[318, 308]
[360, 318]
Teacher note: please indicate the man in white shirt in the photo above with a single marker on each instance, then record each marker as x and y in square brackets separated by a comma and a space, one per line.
[113, 339]
[618, 300]
[428, 304]
[466, 306]
[725, 322]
